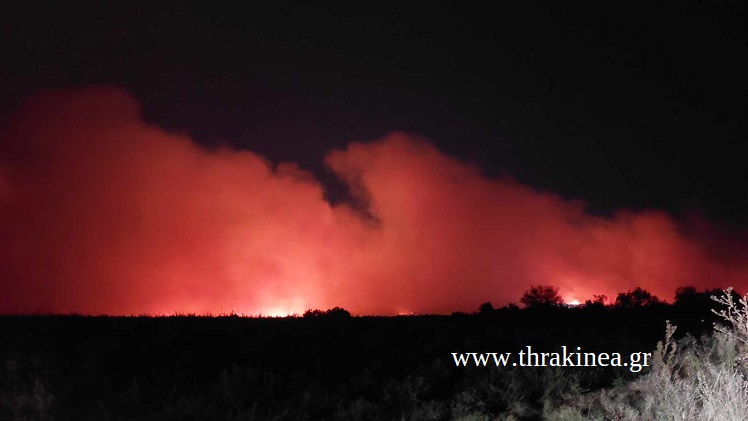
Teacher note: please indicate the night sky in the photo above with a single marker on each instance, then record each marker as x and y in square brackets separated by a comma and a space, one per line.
[381, 157]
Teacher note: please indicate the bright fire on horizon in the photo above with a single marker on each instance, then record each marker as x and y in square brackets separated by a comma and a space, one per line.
[102, 213]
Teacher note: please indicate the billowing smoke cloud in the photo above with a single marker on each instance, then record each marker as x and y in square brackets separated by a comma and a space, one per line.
[102, 213]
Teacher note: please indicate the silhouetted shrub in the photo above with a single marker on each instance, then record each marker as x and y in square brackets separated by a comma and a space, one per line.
[690, 299]
[485, 308]
[511, 306]
[636, 298]
[334, 313]
[338, 313]
[597, 301]
[689, 379]
[313, 313]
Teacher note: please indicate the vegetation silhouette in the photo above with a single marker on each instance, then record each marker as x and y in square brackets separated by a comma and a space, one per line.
[486, 308]
[328, 364]
[542, 297]
[333, 313]
[688, 297]
[691, 378]
[636, 298]
[597, 302]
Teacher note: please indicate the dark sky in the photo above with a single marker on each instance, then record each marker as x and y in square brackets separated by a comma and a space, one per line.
[622, 106]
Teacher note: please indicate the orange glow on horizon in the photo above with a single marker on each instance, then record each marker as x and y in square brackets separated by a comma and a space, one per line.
[277, 312]
[102, 213]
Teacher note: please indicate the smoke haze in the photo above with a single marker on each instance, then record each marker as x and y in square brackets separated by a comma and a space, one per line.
[102, 213]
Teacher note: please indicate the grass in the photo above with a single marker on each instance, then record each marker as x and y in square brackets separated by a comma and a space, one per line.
[704, 379]
[234, 368]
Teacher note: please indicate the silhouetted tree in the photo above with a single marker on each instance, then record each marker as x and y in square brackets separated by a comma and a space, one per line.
[597, 301]
[636, 298]
[313, 313]
[542, 296]
[338, 313]
[512, 306]
[688, 297]
[335, 312]
[485, 308]
[685, 296]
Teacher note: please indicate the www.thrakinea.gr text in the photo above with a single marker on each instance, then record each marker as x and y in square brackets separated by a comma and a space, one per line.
[564, 357]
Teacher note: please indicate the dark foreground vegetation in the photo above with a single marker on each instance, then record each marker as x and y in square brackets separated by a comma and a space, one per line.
[329, 365]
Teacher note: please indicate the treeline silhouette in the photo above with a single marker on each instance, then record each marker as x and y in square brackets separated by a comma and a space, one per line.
[547, 296]
[326, 364]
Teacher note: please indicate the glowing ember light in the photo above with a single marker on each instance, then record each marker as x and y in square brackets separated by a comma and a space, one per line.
[165, 225]
[275, 312]
[283, 308]
[571, 299]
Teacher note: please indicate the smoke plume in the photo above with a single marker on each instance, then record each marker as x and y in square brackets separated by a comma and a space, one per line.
[103, 213]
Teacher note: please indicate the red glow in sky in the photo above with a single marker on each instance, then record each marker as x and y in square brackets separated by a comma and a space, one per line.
[102, 213]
